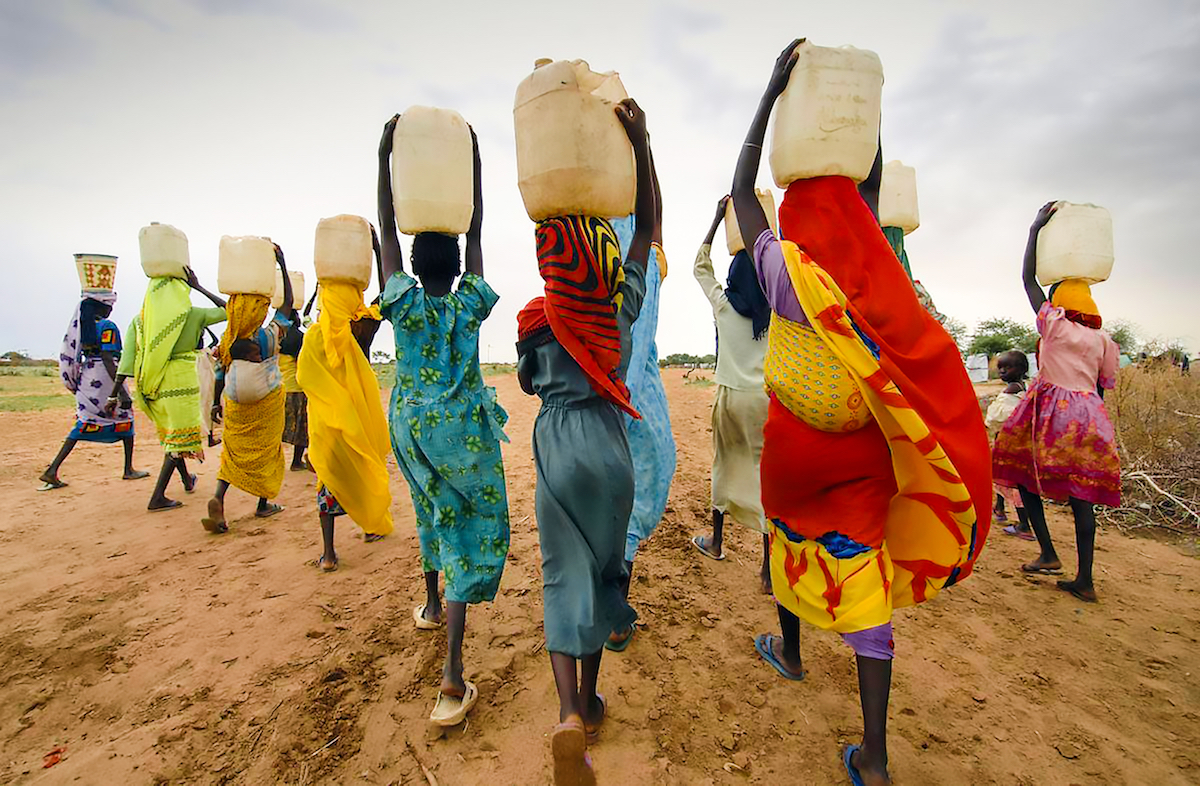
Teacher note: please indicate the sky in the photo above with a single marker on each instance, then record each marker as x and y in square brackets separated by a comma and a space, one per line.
[263, 116]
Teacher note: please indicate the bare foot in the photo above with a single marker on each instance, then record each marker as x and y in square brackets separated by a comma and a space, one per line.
[327, 563]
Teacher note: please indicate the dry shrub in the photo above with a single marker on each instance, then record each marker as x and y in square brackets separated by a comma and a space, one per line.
[1156, 411]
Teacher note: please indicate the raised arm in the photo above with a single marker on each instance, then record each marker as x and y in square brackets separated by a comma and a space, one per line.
[750, 216]
[474, 256]
[194, 283]
[1033, 290]
[722, 206]
[703, 267]
[287, 308]
[391, 259]
[869, 188]
[634, 120]
[657, 197]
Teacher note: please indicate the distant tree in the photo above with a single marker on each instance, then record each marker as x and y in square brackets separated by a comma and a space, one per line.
[680, 359]
[708, 360]
[380, 357]
[958, 331]
[15, 357]
[1125, 333]
[993, 336]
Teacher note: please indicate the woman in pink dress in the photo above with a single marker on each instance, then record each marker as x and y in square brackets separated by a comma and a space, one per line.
[1059, 442]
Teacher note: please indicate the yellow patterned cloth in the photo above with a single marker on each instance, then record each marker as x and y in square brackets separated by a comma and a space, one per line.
[175, 409]
[252, 458]
[929, 519]
[287, 369]
[808, 378]
[348, 433]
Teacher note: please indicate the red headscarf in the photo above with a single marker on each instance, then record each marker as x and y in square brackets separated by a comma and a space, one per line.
[829, 221]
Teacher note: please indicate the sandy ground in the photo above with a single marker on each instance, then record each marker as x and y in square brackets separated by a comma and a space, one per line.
[155, 653]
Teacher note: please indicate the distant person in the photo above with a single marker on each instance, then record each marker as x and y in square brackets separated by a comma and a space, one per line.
[1186, 365]
[248, 375]
[347, 430]
[206, 374]
[295, 406]
[874, 471]
[575, 359]
[446, 425]
[1059, 442]
[1014, 368]
[161, 359]
[651, 443]
[87, 364]
[739, 410]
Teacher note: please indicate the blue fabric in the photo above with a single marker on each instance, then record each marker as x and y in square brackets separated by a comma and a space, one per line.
[446, 428]
[651, 444]
[106, 433]
[838, 545]
[109, 336]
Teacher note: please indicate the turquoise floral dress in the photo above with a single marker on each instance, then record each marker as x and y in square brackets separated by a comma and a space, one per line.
[446, 431]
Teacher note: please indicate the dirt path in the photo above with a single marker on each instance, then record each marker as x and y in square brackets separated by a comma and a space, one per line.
[153, 652]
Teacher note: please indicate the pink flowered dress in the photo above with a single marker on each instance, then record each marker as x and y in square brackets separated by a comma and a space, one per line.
[1059, 442]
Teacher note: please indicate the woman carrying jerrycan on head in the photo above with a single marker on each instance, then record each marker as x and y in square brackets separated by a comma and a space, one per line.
[446, 425]
[575, 360]
[875, 482]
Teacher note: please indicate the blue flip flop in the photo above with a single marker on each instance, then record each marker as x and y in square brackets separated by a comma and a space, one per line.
[624, 643]
[762, 643]
[851, 770]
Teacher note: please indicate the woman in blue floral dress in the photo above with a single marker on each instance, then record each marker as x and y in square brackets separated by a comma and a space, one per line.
[446, 425]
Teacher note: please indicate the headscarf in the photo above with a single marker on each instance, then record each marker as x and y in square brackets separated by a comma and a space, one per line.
[246, 315]
[580, 260]
[164, 312]
[745, 293]
[1074, 296]
[348, 433]
[78, 336]
[830, 222]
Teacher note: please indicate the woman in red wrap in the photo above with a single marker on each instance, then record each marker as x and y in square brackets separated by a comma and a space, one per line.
[875, 465]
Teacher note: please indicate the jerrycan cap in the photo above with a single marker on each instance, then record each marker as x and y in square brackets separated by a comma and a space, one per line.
[542, 61]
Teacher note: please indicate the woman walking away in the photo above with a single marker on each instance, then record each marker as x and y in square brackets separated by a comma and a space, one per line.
[161, 359]
[446, 426]
[1059, 442]
[651, 443]
[88, 365]
[1013, 367]
[347, 430]
[206, 375]
[875, 481]
[248, 374]
[295, 405]
[572, 349]
[740, 408]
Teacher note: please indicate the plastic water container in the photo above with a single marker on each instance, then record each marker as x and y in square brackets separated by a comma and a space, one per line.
[164, 251]
[827, 120]
[733, 233]
[1076, 243]
[343, 250]
[297, 278]
[246, 266]
[573, 155]
[898, 197]
[97, 272]
[433, 172]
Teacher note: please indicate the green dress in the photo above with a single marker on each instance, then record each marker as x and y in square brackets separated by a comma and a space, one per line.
[584, 492]
[446, 428]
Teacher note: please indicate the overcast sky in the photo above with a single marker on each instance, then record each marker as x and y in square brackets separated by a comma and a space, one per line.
[262, 116]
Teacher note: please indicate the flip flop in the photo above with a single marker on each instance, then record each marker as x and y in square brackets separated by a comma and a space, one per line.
[421, 622]
[1018, 533]
[762, 643]
[1085, 596]
[851, 770]
[53, 486]
[136, 476]
[593, 732]
[623, 644]
[174, 504]
[1039, 570]
[451, 710]
[327, 567]
[568, 748]
[271, 510]
[706, 552]
[211, 523]
[191, 487]
[372, 538]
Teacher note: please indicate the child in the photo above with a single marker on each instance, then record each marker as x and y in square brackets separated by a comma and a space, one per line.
[446, 426]
[573, 350]
[1014, 368]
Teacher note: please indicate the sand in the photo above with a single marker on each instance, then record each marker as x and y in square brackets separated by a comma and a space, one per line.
[153, 652]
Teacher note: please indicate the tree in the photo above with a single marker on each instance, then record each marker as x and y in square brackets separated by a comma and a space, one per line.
[1125, 333]
[380, 357]
[1000, 334]
[958, 331]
